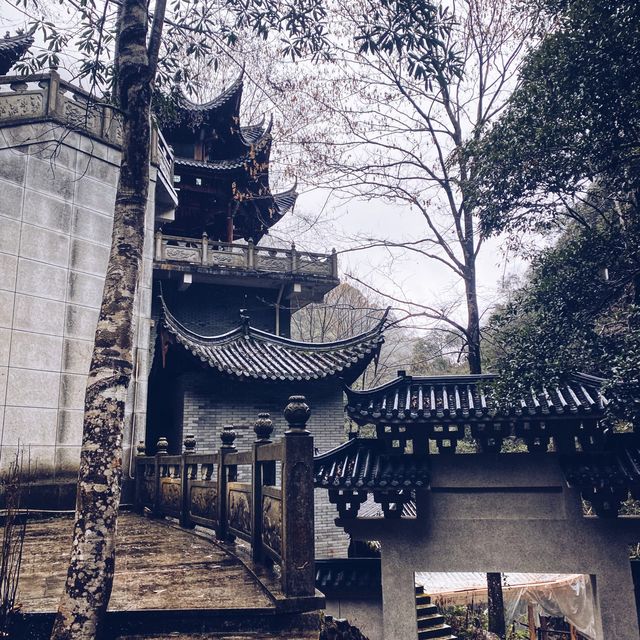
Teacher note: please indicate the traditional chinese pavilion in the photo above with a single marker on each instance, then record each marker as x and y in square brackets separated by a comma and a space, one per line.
[223, 302]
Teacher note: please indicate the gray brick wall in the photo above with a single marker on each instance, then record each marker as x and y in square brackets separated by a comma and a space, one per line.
[210, 401]
[214, 309]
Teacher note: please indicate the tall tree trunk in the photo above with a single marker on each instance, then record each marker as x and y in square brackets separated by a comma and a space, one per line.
[494, 580]
[473, 317]
[496, 605]
[91, 567]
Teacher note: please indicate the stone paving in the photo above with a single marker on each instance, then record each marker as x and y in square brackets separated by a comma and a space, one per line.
[158, 566]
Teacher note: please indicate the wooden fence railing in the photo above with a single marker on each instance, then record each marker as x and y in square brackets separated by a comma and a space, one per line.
[203, 489]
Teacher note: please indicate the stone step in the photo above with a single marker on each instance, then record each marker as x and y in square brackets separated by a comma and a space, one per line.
[441, 632]
[427, 621]
[426, 609]
[423, 598]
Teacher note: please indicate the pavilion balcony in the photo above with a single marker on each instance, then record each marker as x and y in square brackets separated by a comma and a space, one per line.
[204, 256]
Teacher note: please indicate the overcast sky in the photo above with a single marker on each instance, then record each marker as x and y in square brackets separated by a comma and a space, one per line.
[321, 222]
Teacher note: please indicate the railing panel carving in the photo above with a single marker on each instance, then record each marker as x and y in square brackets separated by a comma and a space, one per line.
[170, 496]
[272, 521]
[21, 105]
[239, 509]
[205, 252]
[203, 502]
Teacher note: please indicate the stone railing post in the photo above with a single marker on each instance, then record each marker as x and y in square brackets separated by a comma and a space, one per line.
[141, 451]
[158, 245]
[251, 254]
[294, 258]
[53, 90]
[334, 263]
[228, 437]
[298, 547]
[205, 248]
[189, 443]
[162, 449]
[263, 429]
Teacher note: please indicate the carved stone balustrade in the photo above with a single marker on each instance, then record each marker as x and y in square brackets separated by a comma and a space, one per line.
[225, 255]
[45, 97]
[203, 489]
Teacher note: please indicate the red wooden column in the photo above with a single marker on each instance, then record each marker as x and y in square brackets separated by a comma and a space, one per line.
[298, 546]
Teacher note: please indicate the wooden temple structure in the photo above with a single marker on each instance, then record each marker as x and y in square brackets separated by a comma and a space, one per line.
[223, 301]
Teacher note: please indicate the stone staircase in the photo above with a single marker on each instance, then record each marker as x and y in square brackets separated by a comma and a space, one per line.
[430, 622]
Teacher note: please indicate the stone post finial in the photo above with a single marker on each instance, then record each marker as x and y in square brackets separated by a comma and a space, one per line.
[297, 413]
[141, 448]
[228, 436]
[189, 443]
[162, 446]
[263, 427]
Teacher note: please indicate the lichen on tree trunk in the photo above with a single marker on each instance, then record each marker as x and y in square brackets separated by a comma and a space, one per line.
[92, 563]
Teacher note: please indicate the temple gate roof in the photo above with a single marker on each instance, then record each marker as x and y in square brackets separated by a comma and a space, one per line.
[409, 413]
[367, 463]
[419, 400]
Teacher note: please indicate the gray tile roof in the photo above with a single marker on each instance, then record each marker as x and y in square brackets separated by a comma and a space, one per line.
[409, 399]
[12, 49]
[368, 464]
[255, 154]
[246, 352]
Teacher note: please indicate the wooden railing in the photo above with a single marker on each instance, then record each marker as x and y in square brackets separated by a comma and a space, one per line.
[205, 252]
[203, 489]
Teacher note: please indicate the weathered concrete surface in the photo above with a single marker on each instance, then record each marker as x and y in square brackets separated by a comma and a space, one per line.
[506, 513]
[57, 194]
[158, 566]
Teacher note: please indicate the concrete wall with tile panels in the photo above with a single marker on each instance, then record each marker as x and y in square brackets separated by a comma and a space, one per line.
[56, 214]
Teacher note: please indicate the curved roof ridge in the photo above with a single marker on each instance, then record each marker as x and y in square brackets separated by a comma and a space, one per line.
[175, 324]
[12, 48]
[252, 353]
[285, 200]
[251, 133]
[352, 443]
[266, 336]
[232, 91]
[449, 379]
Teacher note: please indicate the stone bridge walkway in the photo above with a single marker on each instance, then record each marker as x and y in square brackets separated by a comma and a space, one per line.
[168, 582]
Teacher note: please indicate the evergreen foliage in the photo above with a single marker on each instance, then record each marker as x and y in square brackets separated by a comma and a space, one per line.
[564, 157]
[573, 122]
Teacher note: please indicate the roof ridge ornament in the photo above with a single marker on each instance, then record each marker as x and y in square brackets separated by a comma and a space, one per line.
[245, 320]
